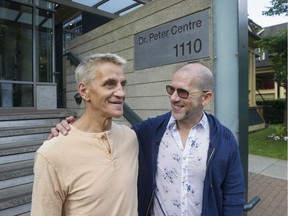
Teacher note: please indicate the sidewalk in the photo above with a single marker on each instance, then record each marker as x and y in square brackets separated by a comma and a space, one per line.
[268, 180]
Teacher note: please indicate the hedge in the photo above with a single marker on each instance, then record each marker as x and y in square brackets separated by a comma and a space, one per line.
[273, 110]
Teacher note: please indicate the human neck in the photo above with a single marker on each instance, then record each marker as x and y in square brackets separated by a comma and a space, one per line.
[93, 123]
[187, 124]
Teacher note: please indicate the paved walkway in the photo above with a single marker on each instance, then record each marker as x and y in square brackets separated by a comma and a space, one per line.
[268, 179]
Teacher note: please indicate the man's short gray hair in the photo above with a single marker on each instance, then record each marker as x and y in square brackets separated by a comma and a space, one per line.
[86, 70]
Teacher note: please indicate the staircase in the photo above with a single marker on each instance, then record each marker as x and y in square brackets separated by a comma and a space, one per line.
[21, 134]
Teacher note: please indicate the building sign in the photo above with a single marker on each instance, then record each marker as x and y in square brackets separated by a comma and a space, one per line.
[180, 40]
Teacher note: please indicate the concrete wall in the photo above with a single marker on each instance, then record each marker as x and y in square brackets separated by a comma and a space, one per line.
[46, 96]
[145, 90]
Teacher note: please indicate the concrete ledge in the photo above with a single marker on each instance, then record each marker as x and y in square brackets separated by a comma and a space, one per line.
[46, 96]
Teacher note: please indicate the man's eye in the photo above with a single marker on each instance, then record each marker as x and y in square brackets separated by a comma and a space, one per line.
[110, 84]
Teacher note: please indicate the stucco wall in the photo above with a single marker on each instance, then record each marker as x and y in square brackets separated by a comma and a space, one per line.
[145, 90]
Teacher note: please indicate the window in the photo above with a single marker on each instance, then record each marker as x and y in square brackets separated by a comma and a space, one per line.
[44, 44]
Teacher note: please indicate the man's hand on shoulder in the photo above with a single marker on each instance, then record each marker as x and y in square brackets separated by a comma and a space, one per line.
[63, 127]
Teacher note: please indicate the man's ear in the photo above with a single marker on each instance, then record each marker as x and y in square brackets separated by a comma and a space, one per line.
[83, 91]
[207, 97]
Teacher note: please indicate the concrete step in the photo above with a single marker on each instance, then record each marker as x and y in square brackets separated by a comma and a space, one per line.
[21, 210]
[16, 158]
[32, 114]
[18, 131]
[27, 122]
[23, 138]
[16, 169]
[21, 134]
[15, 196]
[16, 181]
[20, 147]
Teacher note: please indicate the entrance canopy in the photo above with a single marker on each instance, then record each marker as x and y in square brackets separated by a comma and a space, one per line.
[106, 8]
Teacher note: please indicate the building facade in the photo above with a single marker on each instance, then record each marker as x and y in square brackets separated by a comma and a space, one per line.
[34, 35]
[266, 87]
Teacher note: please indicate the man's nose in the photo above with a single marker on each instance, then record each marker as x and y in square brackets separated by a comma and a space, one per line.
[174, 96]
[120, 91]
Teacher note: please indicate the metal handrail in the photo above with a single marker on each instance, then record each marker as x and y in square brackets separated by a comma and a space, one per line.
[261, 96]
[251, 204]
[74, 59]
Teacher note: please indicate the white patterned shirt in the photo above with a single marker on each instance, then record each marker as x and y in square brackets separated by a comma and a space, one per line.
[181, 171]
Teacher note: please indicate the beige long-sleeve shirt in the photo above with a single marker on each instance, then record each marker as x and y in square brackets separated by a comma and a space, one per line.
[87, 174]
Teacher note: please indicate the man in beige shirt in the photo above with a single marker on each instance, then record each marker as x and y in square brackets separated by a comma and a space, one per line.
[93, 170]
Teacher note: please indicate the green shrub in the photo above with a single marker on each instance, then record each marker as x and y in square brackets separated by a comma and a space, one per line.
[279, 130]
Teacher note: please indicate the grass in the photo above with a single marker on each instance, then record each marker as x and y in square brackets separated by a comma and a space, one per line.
[260, 144]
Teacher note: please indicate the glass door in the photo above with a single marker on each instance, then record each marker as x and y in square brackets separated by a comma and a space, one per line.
[26, 52]
[16, 87]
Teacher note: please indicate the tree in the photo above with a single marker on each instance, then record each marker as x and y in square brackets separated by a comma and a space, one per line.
[276, 44]
[278, 7]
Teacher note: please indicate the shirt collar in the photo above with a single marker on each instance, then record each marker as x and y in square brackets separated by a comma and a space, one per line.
[202, 123]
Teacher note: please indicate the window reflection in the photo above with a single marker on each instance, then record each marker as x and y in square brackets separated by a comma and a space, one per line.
[16, 43]
[16, 95]
[44, 38]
